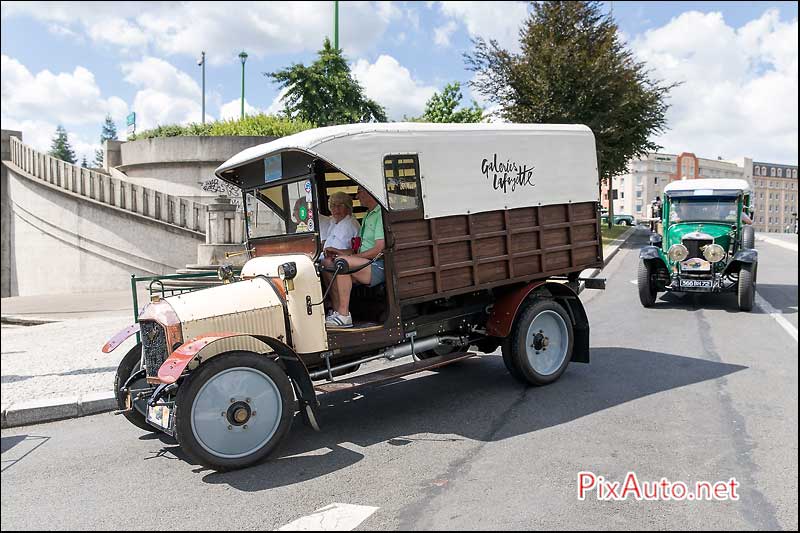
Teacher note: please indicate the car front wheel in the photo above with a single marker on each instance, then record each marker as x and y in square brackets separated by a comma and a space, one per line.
[234, 410]
[746, 291]
[647, 286]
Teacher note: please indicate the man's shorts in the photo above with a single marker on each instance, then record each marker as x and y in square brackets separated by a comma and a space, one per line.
[378, 274]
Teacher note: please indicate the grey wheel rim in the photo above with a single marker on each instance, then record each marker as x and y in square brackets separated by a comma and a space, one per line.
[547, 343]
[212, 425]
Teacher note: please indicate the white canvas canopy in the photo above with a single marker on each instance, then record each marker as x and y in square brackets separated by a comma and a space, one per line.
[708, 184]
[464, 168]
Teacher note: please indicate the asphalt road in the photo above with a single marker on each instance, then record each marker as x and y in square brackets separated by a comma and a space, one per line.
[690, 390]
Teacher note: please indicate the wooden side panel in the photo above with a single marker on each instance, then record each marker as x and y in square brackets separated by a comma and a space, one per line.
[456, 254]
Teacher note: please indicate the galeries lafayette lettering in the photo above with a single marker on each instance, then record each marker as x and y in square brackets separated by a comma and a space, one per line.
[507, 174]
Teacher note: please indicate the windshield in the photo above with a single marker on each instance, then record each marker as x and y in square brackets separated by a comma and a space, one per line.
[703, 209]
[280, 209]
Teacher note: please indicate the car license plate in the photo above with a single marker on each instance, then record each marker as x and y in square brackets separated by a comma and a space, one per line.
[696, 283]
[160, 416]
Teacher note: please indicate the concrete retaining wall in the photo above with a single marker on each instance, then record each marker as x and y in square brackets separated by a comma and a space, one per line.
[61, 242]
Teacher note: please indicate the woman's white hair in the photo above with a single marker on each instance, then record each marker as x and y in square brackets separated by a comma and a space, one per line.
[341, 198]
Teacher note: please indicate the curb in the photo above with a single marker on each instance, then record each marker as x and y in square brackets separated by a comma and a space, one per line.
[613, 248]
[52, 409]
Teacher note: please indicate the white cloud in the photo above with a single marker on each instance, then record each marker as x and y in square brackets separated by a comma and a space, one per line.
[233, 109]
[261, 28]
[67, 98]
[739, 91]
[490, 20]
[277, 106]
[441, 35]
[166, 95]
[391, 85]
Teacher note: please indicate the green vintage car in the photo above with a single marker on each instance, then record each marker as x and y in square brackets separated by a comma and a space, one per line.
[707, 243]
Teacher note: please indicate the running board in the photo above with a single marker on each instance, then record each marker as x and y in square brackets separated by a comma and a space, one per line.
[393, 373]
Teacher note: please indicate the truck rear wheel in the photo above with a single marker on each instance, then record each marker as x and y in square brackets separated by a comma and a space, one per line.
[746, 291]
[539, 347]
[748, 237]
[129, 365]
[234, 410]
[646, 284]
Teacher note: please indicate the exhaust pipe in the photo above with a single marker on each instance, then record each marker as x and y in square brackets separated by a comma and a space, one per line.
[396, 352]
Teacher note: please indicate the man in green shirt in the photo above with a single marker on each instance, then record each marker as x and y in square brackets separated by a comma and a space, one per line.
[372, 244]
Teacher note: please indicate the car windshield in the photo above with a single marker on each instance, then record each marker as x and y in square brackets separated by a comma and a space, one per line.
[703, 209]
[281, 209]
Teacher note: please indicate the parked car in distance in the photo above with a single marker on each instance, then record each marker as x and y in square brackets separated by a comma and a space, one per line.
[619, 220]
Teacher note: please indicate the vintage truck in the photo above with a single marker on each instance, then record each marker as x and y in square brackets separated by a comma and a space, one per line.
[487, 227]
[708, 244]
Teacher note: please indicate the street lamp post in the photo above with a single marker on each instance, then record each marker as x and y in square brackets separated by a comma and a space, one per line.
[243, 57]
[202, 63]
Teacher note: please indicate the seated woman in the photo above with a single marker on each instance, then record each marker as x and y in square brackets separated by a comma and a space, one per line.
[341, 229]
[372, 244]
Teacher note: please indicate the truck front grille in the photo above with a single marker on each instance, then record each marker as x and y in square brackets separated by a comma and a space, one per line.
[154, 344]
[695, 246]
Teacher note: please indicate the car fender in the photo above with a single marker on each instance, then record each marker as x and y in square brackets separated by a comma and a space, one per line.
[746, 256]
[505, 309]
[176, 363]
[120, 337]
[649, 253]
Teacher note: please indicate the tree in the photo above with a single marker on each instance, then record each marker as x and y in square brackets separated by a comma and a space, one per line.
[573, 69]
[442, 107]
[325, 93]
[109, 133]
[60, 148]
[84, 164]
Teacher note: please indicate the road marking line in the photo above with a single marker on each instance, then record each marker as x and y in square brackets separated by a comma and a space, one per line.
[334, 517]
[776, 242]
[777, 315]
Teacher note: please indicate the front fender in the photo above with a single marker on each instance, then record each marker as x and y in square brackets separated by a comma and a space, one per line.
[649, 252]
[176, 363]
[120, 337]
[746, 256]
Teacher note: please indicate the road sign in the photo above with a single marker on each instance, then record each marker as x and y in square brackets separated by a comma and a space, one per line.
[131, 121]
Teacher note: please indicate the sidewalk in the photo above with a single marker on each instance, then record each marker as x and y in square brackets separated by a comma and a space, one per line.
[52, 366]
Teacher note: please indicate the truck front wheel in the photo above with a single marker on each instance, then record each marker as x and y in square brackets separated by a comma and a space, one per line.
[539, 347]
[234, 410]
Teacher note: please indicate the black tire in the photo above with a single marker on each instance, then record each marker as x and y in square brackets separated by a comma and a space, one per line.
[746, 290]
[647, 288]
[516, 349]
[130, 364]
[188, 392]
[748, 237]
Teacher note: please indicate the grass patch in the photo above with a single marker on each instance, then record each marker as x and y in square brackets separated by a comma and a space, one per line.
[609, 235]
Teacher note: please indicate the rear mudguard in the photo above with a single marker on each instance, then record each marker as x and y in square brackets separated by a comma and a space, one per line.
[746, 256]
[505, 311]
[176, 363]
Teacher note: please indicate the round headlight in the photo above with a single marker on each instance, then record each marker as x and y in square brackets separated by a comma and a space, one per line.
[714, 253]
[677, 252]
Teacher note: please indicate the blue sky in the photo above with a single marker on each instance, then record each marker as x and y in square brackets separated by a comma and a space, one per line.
[72, 63]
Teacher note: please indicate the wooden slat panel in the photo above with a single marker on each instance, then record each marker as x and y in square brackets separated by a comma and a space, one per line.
[491, 247]
[524, 242]
[456, 226]
[420, 285]
[495, 271]
[523, 218]
[457, 278]
[411, 231]
[416, 258]
[553, 214]
[558, 260]
[488, 222]
[555, 237]
[525, 266]
[456, 252]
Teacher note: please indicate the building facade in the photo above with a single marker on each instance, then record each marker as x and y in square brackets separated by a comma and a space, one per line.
[647, 177]
[775, 197]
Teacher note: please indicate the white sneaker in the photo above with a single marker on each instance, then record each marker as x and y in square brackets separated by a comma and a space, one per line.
[337, 321]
